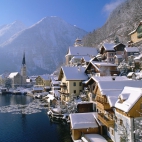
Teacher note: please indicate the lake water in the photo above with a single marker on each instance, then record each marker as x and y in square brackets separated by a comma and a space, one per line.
[23, 119]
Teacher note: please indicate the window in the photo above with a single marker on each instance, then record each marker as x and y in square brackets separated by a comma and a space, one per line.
[74, 91]
[74, 84]
[80, 83]
[112, 132]
[121, 122]
[141, 106]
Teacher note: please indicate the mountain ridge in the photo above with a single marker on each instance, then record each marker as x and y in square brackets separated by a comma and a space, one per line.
[123, 19]
[45, 44]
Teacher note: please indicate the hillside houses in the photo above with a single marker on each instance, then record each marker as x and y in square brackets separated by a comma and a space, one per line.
[110, 96]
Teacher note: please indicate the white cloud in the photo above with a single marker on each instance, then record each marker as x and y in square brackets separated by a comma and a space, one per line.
[112, 5]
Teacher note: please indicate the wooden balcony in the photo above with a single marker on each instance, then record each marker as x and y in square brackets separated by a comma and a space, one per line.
[104, 106]
[106, 121]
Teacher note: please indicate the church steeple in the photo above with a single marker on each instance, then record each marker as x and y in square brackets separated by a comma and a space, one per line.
[23, 71]
[24, 61]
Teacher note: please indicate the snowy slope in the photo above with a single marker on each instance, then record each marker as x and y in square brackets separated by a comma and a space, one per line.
[124, 19]
[45, 44]
[6, 31]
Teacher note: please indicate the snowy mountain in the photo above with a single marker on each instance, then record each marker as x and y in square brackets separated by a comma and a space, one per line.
[45, 44]
[124, 19]
[6, 31]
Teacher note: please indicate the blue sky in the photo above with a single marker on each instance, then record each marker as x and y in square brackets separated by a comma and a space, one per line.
[86, 14]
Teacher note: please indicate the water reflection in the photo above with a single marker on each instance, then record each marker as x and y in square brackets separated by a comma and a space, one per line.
[20, 106]
[23, 119]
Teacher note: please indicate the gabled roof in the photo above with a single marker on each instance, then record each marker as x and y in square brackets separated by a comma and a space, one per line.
[102, 63]
[108, 78]
[13, 74]
[83, 120]
[135, 29]
[79, 51]
[131, 49]
[130, 95]
[106, 87]
[74, 73]
[119, 44]
[109, 46]
[86, 58]
[45, 76]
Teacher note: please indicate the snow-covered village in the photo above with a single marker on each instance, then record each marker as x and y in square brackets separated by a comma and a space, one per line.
[59, 83]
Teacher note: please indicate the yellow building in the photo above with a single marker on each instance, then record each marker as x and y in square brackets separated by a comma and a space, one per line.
[71, 82]
[136, 35]
[43, 80]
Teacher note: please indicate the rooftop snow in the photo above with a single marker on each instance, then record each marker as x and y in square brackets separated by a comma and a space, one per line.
[82, 51]
[45, 77]
[11, 75]
[131, 49]
[109, 46]
[130, 95]
[108, 78]
[83, 120]
[74, 73]
[95, 138]
[106, 86]
[102, 63]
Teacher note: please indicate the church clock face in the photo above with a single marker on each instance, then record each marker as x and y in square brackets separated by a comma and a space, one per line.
[139, 32]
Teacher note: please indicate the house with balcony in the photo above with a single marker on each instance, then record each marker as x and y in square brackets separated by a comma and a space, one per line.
[92, 82]
[107, 93]
[109, 50]
[71, 82]
[101, 68]
[128, 110]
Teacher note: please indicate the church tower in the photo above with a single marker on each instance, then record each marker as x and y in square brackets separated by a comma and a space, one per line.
[23, 71]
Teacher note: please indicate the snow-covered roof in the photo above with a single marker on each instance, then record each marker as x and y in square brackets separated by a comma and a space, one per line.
[86, 58]
[82, 51]
[112, 100]
[45, 77]
[118, 44]
[131, 49]
[13, 74]
[50, 97]
[83, 120]
[74, 73]
[109, 46]
[130, 74]
[106, 87]
[138, 57]
[95, 138]
[102, 63]
[109, 78]
[130, 95]
[55, 82]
